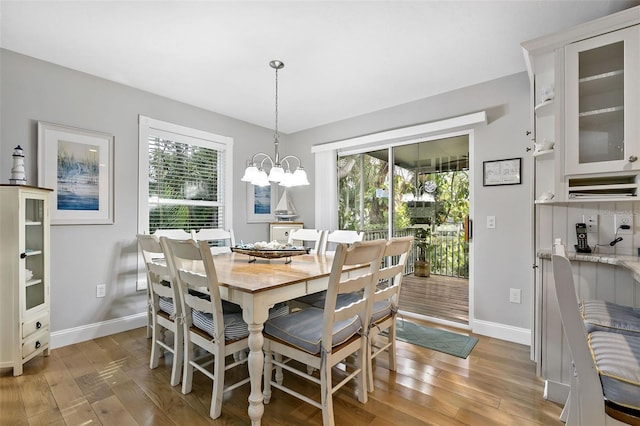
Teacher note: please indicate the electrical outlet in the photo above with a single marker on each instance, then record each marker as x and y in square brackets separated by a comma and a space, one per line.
[592, 223]
[101, 290]
[514, 295]
[623, 219]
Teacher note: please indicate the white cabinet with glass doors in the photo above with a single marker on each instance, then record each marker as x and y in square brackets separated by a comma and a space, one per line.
[602, 103]
[24, 274]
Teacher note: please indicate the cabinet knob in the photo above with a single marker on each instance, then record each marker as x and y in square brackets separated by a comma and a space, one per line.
[38, 325]
[528, 132]
[528, 148]
[38, 344]
[23, 255]
[633, 158]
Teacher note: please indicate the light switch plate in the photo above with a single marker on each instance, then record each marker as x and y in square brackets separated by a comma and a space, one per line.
[491, 222]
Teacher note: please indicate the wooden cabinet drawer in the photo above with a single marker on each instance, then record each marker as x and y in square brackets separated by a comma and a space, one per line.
[41, 322]
[36, 342]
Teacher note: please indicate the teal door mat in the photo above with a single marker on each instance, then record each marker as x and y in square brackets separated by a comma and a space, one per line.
[439, 340]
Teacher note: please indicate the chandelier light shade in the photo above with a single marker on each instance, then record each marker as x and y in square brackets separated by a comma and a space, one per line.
[280, 168]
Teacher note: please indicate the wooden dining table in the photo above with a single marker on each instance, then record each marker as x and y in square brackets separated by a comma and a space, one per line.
[258, 285]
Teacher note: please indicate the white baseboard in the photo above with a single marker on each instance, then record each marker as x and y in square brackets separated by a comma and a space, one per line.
[99, 329]
[502, 332]
[555, 391]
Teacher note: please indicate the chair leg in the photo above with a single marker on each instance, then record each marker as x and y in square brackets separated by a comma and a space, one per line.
[391, 350]
[279, 375]
[326, 395]
[369, 360]
[361, 363]
[178, 354]
[155, 348]
[267, 372]
[218, 384]
[187, 374]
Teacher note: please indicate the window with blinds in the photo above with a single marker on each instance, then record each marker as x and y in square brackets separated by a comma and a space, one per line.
[185, 190]
[184, 178]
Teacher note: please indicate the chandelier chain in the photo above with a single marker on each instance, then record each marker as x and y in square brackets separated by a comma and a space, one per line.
[276, 135]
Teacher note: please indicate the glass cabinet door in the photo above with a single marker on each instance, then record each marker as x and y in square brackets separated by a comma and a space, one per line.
[34, 267]
[602, 100]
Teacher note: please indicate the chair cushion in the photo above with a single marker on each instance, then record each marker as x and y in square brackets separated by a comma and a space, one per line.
[313, 299]
[617, 359]
[166, 305]
[303, 329]
[380, 310]
[235, 327]
[342, 299]
[599, 315]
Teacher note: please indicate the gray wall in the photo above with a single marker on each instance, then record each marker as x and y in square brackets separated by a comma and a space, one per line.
[502, 255]
[83, 256]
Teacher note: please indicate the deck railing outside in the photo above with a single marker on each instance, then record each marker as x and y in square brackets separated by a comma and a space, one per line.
[449, 251]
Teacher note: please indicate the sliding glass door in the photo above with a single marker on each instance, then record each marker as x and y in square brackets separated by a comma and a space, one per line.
[429, 198]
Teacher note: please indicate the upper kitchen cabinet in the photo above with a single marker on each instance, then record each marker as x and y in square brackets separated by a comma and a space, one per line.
[602, 103]
[585, 94]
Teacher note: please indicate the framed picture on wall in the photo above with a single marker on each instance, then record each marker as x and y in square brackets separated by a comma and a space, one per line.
[78, 165]
[501, 172]
[261, 203]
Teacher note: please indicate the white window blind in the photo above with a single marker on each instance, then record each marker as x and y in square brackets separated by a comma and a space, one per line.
[184, 178]
[186, 188]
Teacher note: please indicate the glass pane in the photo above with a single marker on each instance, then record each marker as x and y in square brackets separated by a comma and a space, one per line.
[601, 104]
[185, 186]
[363, 192]
[34, 262]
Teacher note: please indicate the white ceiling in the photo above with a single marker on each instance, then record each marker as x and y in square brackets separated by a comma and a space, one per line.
[342, 59]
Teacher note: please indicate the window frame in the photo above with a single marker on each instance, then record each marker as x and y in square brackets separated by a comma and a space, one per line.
[149, 126]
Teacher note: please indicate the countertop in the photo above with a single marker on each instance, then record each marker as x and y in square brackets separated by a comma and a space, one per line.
[632, 263]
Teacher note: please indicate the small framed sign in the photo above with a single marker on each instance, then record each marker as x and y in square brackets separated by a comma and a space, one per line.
[502, 172]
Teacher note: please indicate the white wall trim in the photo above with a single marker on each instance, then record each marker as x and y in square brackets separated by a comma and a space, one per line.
[83, 333]
[405, 132]
[502, 332]
[556, 392]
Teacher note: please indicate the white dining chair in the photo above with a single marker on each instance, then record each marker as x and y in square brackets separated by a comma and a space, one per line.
[341, 236]
[177, 234]
[166, 310]
[204, 324]
[324, 338]
[605, 388]
[331, 240]
[385, 304]
[308, 235]
[220, 240]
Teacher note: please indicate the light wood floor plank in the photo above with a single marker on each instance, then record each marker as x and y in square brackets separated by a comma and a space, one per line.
[110, 411]
[108, 381]
[12, 409]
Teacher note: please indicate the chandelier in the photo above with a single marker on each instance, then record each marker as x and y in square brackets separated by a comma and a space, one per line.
[280, 171]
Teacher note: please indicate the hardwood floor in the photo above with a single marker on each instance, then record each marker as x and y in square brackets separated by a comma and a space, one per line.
[436, 296]
[108, 381]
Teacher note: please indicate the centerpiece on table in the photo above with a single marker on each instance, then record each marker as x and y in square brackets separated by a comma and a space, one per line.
[271, 250]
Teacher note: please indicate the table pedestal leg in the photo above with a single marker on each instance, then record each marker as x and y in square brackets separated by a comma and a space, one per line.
[255, 364]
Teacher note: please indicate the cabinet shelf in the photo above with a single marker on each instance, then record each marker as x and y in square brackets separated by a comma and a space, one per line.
[544, 108]
[544, 153]
[32, 252]
[601, 83]
[31, 282]
[601, 111]
[33, 223]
